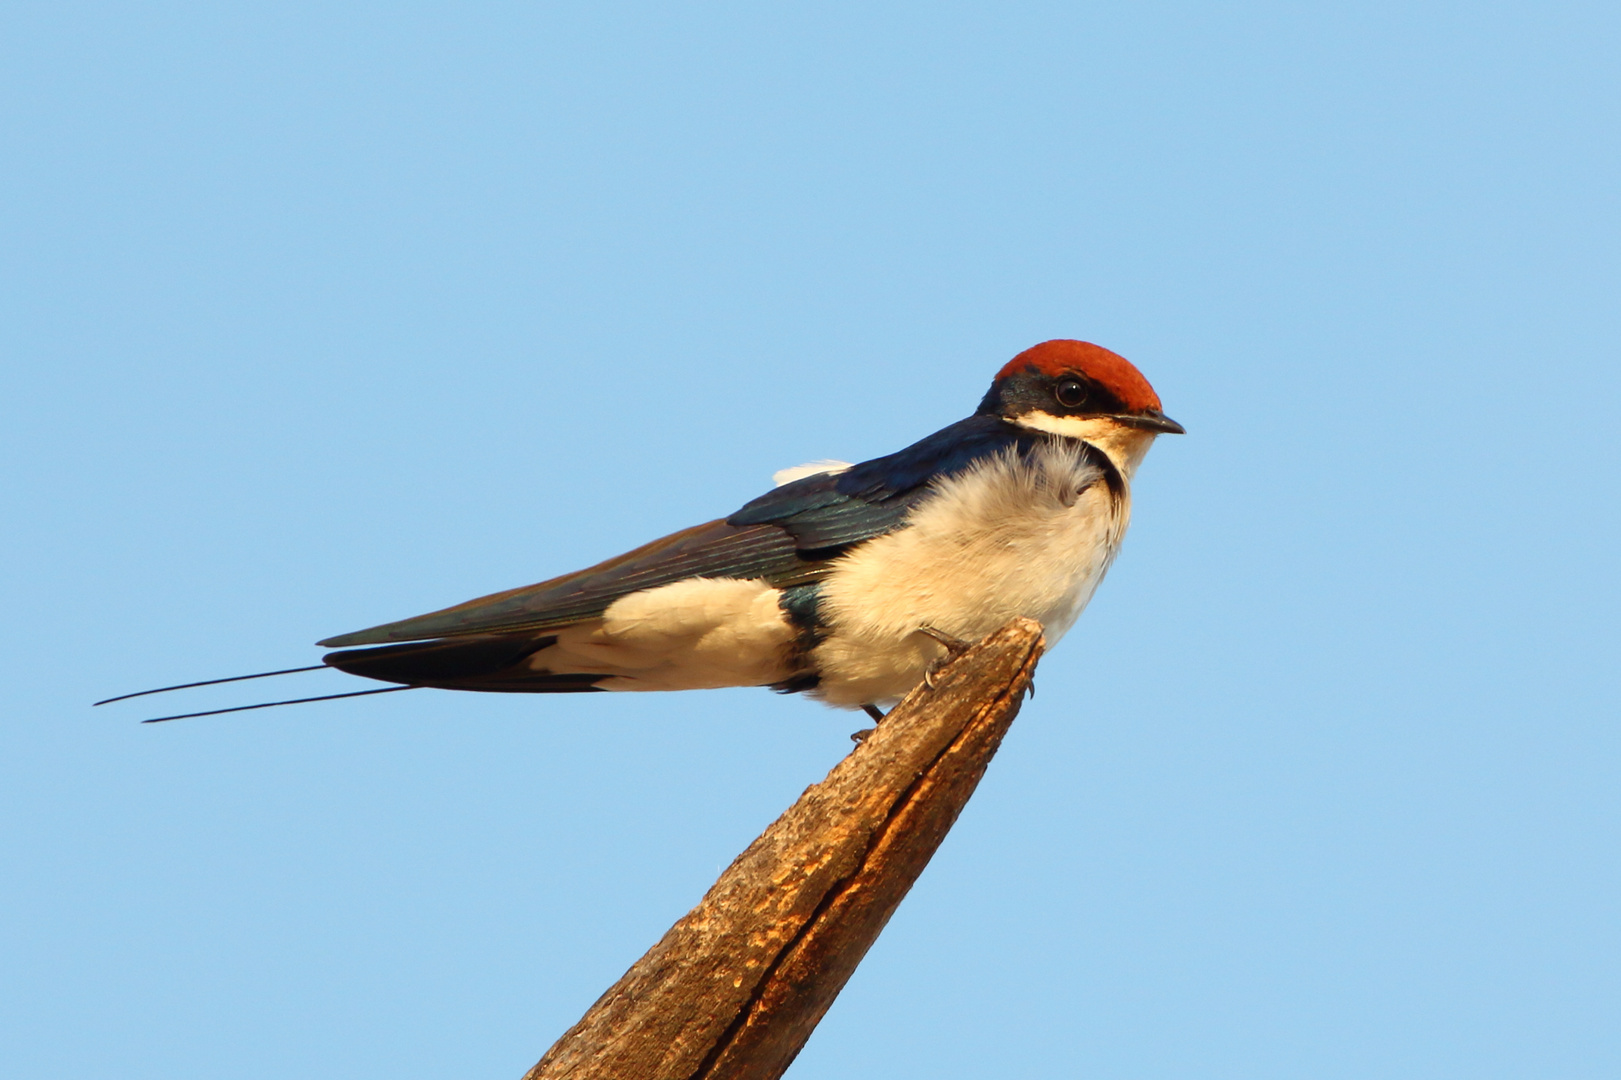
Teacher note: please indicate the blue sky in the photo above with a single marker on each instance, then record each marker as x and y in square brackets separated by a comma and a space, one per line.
[315, 316]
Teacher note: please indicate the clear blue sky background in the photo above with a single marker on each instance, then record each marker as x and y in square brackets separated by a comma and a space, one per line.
[324, 314]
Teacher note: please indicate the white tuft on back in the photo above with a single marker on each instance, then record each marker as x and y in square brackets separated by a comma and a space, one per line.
[814, 468]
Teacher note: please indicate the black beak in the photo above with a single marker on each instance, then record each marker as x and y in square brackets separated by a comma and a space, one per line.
[1152, 420]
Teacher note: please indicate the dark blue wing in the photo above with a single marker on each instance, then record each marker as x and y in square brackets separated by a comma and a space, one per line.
[785, 537]
[713, 549]
[867, 500]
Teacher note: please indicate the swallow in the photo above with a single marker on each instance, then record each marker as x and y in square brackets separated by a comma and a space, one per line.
[845, 582]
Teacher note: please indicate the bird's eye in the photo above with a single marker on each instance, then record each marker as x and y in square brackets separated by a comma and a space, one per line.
[1071, 393]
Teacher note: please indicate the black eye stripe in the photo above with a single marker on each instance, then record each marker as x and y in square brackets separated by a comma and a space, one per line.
[1071, 392]
[1068, 393]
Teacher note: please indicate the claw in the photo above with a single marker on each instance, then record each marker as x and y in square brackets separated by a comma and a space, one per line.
[859, 737]
[955, 646]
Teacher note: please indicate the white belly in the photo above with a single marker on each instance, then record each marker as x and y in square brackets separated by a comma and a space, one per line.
[1011, 537]
[690, 635]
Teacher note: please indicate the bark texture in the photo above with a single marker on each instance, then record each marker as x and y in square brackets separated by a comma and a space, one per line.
[735, 988]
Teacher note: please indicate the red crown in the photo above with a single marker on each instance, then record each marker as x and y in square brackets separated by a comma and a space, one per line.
[1109, 370]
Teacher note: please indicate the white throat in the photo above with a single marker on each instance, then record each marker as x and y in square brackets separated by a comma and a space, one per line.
[1124, 445]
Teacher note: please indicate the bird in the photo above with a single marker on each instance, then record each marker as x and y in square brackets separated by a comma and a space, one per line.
[848, 583]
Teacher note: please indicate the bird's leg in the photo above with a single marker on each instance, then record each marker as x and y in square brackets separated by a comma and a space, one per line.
[877, 715]
[955, 647]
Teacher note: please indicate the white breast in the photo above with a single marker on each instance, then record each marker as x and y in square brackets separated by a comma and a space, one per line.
[1012, 536]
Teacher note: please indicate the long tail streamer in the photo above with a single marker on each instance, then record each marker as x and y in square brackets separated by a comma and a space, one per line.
[209, 682]
[273, 704]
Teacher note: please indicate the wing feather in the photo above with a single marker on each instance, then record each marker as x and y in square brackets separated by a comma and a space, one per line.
[713, 549]
[788, 536]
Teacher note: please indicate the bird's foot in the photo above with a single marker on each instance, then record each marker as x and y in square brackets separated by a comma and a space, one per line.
[877, 714]
[955, 647]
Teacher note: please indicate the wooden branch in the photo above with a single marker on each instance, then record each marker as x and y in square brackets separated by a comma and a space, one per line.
[737, 985]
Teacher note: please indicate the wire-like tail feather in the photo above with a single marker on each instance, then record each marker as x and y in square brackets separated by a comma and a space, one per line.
[209, 682]
[273, 704]
[486, 662]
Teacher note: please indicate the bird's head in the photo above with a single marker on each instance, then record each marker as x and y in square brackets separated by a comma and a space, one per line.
[1083, 391]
